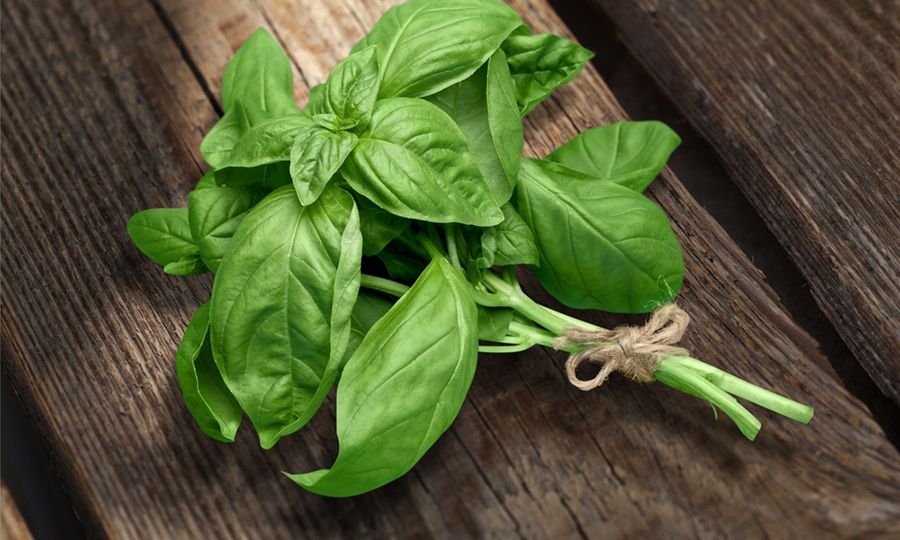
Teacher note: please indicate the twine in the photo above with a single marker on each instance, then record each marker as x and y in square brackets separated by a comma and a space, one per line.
[634, 351]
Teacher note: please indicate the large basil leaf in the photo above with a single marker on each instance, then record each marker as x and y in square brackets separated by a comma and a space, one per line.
[415, 162]
[425, 46]
[316, 156]
[602, 245]
[164, 235]
[404, 386]
[515, 240]
[215, 215]
[541, 63]
[281, 306]
[627, 153]
[205, 394]
[484, 108]
[378, 226]
[261, 72]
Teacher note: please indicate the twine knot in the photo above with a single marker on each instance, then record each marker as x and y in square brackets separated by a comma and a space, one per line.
[634, 351]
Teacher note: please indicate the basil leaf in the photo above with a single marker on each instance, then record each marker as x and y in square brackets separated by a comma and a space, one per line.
[316, 156]
[207, 181]
[368, 310]
[515, 240]
[493, 323]
[402, 264]
[404, 386]
[539, 64]
[316, 92]
[602, 246]
[220, 141]
[261, 72]
[205, 394]
[351, 88]
[163, 234]
[281, 306]
[484, 108]
[189, 265]
[414, 161]
[628, 153]
[425, 46]
[378, 227]
[215, 215]
[268, 142]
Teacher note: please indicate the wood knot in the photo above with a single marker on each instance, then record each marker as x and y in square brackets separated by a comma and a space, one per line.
[634, 351]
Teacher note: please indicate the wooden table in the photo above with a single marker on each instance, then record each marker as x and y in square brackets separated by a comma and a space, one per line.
[104, 105]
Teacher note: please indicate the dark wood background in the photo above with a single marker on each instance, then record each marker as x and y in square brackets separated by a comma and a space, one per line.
[104, 105]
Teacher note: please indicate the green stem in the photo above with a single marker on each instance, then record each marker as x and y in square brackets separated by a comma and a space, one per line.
[383, 285]
[450, 236]
[741, 388]
[502, 349]
[513, 297]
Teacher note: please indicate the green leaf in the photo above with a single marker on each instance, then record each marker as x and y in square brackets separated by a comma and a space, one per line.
[404, 386]
[268, 142]
[281, 306]
[425, 46]
[189, 265]
[351, 88]
[541, 63]
[628, 153]
[602, 245]
[164, 235]
[207, 181]
[215, 215]
[205, 394]
[219, 142]
[316, 156]
[261, 72]
[369, 308]
[415, 162]
[402, 264]
[493, 322]
[515, 240]
[378, 226]
[484, 108]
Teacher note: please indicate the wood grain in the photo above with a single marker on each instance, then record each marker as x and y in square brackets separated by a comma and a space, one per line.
[103, 107]
[12, 526]
[801, 100]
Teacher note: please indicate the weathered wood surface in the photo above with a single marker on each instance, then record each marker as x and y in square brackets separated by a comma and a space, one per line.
[12, 526]
[802, 102]
[102, 116]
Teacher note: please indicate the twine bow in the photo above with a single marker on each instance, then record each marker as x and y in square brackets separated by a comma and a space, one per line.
[634, 351]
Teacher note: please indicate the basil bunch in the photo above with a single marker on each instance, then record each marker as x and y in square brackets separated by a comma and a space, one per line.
[406, 160]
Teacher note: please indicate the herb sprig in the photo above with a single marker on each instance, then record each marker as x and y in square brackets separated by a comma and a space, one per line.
[408, 160]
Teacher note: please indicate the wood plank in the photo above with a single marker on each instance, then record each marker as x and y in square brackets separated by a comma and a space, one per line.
[802, 102]
[111, 126]
[12, 525]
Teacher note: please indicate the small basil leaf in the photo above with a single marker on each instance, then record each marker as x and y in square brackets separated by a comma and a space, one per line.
[268, 142]
[352, 86]
[316, 92]
[402, 264]
[425, 46]
[207, 181]
[378, 226]
[220, 141]
[316, 156]
[493, 323]
[415, 162]
[404, 386]
[368, 310]
[515, 240]
[215, 215]
[205, 394]
[485, 110]
[628, 153]
[327, 120]
[269, 176]
[281, 306]
[541, 63]
[602, 245]
[163, 234]
[189, 265]
[261, 72]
